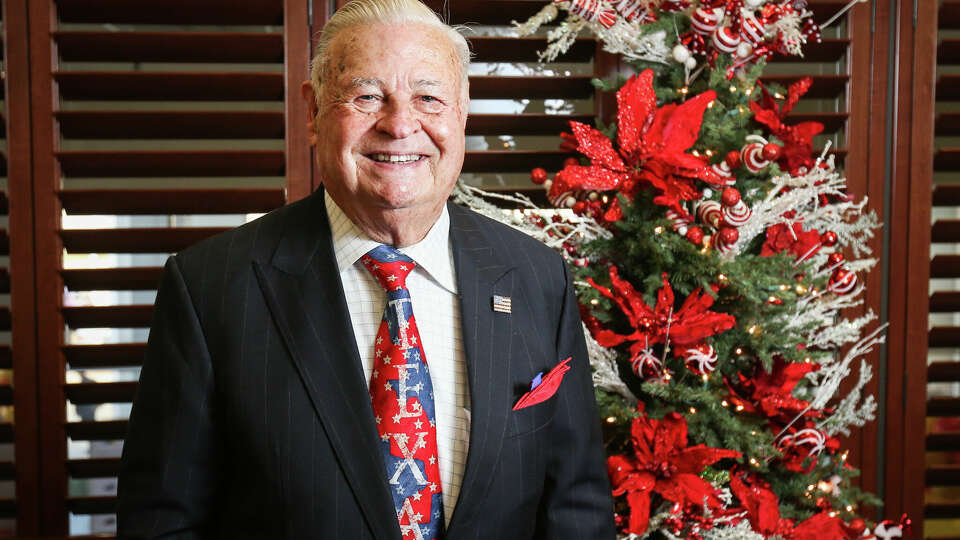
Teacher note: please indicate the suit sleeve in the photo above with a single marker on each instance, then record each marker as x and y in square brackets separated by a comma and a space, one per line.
[577, 503]
[168, 473]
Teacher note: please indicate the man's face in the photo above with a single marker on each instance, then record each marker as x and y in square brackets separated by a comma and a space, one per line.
[390, 131]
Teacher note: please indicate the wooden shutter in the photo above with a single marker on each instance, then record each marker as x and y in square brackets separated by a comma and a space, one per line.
[158, 123]
[942, 478]
[18, 464]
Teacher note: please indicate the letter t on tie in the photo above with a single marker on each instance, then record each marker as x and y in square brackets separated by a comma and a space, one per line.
[403, 407]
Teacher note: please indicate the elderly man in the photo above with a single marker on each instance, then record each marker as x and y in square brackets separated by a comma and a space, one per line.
[372, 361]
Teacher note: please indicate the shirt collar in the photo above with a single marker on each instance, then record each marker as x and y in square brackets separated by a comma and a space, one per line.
[432, 254]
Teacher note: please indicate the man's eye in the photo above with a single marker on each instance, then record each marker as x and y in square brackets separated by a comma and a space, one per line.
[367, 97]
[429, 99]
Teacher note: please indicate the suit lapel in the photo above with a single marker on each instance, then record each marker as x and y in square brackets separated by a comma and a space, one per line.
[481, 273]
[302, 288]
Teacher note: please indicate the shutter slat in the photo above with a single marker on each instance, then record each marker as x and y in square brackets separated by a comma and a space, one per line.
[948, 88]
[4, 201]
[941, 510]
[251, 47]
[7, 471]
[828, 50]
[943, 406]
[4, 242]
[946, 195]
[8, 508]
[93, 467]
[153, 163]
[943, 372]
[6, 395]
[136, 316]
[252, 12]
[92, 505]
[948, 51]
[140, 240]
[494, 12]
[104, 430]
[949, 15]
[169, 201]
[945, 230]
[6, 357]
[824, 86]
[523, 124]
[171, 124]
[6, 433]
[127, 86]
[944, 336]
[943, 442]
[112, 279]
[944, 302]
[513, 160]
[501, 87]
[945, 266]
[947, 124]
[947, 159]
[943, 475]
[4, 281]
[104, 356]
[525, 49]
[5, 320]
[832, 121]
[96, 393]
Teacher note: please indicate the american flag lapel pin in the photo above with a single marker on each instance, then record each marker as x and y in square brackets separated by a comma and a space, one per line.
[501, 304]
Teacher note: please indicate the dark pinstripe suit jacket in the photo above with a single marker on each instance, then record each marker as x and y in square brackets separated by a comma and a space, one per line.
[253, 419]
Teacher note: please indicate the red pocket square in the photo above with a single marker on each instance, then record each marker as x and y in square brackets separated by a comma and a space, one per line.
[547, 387]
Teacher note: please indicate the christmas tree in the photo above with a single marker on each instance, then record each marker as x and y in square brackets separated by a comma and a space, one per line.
[715, 255]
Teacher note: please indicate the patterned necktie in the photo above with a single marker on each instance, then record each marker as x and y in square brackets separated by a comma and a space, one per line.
[402, 396]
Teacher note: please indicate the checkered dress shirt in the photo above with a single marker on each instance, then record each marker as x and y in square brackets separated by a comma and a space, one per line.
[433, 292]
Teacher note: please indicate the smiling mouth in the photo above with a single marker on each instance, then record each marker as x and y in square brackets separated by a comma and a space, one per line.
[395, 158]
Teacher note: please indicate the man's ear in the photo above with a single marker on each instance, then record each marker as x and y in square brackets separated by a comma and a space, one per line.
[306, 90]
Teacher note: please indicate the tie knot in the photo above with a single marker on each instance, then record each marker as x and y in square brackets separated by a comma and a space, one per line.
[389, 266]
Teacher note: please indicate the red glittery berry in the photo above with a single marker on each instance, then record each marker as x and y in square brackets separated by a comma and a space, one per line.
[579, 207]
[571, 162]
[835, 258]
[728, 235]
[828, 238]
[538, 176]
[771, 152]
[695, 235]
[733, 159]
[730, 196]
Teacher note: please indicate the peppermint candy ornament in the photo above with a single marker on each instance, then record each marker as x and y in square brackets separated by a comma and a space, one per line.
[629, 9]
[680, 221]
[752, 157]
[710, 213]
[705, 21]
[737, 215]
[752, 30]
[646, 365]
[592, 11]
[725, 238]
[701, 359]
[722, 170]
[726, 39]
[842, 281]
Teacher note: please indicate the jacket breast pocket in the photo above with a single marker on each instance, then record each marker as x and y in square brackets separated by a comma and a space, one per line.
[531, 419]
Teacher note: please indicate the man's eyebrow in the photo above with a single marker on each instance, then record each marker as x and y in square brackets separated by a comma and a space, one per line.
[426, 82]
[364, 81]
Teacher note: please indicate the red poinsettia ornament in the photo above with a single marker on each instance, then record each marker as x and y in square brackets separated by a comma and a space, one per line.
[688, 325]
[771, 394]
[763, 511]
[652, 150]
[663, 463]
[797, 139]
[782, 237]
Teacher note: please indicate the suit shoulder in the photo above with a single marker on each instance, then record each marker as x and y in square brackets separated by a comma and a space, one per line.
[254, 240]
[509, 238]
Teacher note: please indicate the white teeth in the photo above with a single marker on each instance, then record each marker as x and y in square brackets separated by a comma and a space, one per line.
[395, 158]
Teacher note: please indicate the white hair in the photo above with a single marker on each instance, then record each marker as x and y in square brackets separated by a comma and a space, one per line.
[359, 12]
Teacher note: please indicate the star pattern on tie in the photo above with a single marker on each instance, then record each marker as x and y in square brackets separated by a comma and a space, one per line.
[402, 395]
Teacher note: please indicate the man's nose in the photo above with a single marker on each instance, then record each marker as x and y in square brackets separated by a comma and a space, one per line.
[398, 120]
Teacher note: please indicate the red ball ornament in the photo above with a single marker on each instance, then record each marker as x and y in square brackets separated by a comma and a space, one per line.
[771, 152]
[730, 196]
[842, 281]
[695, 235]
[857, 525]
[538, 176]
[728, 235]
[733, 159]
[835, 259]
[828, 238]
[571, 162]
[579, 207]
